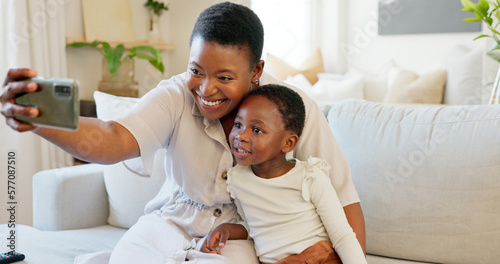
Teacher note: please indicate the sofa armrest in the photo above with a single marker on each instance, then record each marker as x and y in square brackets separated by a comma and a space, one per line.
[70, 198]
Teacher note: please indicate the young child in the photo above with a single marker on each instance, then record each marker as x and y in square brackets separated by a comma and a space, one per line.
[289, 207]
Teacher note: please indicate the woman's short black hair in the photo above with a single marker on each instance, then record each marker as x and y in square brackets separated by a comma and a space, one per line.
[288, 102]
[231, 24]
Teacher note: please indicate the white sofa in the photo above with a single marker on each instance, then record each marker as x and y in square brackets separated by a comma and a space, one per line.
[428, 179]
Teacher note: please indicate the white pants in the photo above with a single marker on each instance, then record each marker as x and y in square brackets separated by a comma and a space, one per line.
[175, 233]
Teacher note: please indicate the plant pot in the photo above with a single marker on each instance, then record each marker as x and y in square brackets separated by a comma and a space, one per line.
[120, 83]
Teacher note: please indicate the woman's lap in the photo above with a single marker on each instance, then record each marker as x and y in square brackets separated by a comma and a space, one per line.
[153, 240]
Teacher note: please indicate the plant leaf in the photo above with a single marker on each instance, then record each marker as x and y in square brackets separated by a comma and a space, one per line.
[155, 52]
[472, 19]
[145, 57]
[481, 36]
[112, 56]
[468, 4]
[483, 6]
[494, 31]
[497, 14]
[488, 20]
[152, 55]
[116, 57]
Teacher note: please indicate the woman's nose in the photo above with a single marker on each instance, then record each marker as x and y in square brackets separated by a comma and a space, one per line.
[207, 88]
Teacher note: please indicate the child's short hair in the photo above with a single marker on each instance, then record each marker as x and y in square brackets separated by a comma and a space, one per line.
[288, 102]
[231, 24]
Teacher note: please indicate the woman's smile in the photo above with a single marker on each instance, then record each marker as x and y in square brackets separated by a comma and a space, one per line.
[211, 103]
[219, 76]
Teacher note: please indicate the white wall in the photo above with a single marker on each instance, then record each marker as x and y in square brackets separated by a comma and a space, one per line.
[364, 49]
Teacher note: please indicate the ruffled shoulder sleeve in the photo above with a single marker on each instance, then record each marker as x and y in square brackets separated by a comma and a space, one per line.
[314, 167]
[231, 173]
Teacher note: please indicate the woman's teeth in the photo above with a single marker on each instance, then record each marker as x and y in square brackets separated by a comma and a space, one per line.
[211, 103]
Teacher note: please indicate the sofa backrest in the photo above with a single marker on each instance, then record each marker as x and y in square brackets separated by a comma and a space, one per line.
[428, 178]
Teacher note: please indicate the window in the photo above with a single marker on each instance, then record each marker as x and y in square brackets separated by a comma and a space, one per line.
[288, 28]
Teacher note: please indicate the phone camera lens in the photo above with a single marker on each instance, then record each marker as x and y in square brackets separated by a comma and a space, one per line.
[63, 90]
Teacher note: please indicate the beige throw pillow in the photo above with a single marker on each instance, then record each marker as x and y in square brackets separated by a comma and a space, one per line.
[409, 87]
[310, 68]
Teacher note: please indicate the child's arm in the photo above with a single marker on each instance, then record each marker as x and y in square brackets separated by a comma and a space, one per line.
[221, 234]
[328, 207]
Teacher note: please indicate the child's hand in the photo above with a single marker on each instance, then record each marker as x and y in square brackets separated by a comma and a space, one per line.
[216, 238]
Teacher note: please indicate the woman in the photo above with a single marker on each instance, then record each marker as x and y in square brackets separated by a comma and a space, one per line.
[191, 116]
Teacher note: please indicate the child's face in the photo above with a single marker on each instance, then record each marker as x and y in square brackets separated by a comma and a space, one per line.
[219, 77]
[258, 135]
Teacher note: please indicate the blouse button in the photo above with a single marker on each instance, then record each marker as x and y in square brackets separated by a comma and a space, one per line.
[217, 212]
[224, 175]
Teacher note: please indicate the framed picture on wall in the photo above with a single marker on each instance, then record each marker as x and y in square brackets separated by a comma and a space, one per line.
[108, 20]
[423, 17]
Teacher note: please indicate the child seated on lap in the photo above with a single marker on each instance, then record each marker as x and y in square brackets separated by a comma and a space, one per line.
[289, 207]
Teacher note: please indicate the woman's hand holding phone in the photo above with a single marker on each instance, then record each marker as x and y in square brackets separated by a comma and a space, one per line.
[13, 86]
[47, 102]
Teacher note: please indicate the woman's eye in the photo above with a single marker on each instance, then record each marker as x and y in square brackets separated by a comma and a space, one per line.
[195, 71]
[225, 78]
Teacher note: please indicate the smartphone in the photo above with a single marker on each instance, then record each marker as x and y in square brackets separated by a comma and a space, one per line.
[57, 101]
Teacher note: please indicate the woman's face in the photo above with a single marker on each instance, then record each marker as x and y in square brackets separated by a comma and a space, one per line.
[219, 76]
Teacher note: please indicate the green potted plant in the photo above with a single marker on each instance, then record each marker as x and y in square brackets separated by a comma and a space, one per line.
[488, 12]
[118, 65]
[155, 8]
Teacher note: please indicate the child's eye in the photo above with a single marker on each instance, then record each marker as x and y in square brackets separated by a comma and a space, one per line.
[257, 130]
[237, 125]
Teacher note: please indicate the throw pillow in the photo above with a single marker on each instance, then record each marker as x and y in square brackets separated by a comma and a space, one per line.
[464, 69]
[334, 87]
[128, 193]
[300, 81]
[375, 80]
[310, 68]
[409, 87]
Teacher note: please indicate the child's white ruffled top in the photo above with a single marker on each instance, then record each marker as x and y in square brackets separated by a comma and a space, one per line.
[287, 214]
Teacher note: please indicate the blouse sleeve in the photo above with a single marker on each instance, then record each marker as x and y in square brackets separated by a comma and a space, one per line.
[152, 120]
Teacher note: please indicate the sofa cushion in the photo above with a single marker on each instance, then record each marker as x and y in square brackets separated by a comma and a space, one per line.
[60, 247]
[428, 178]
[128, 193]
[464, 82]
[409, 87]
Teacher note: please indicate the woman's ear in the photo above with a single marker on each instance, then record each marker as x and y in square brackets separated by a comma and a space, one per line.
[258, 70]
[290, 143]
